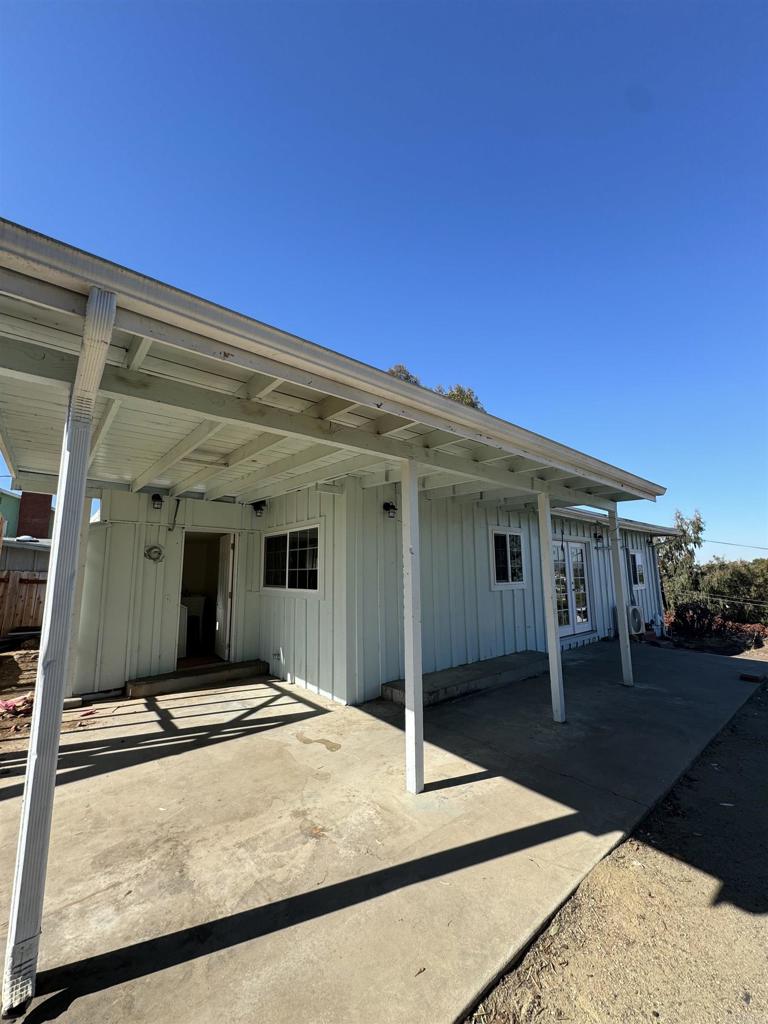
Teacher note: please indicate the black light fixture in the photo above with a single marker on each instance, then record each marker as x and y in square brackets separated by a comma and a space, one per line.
[598, 537]
[259, 507]
[157, 501]
[390, 508]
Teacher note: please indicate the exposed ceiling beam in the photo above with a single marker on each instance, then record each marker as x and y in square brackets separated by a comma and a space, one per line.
[244, 342]
[144, 389]
[337, 471]
[234, 458]
[6, 450]
[329, 407]
[243, 488]
[387, 424]
[137, 352]
[259, 385]
[134, 357]
[179, 451]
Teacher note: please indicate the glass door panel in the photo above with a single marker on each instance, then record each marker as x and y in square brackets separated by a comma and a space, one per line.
[579, 587]
[562, 587]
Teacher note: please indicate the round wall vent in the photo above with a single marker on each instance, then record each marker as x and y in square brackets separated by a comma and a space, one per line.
[154, 553]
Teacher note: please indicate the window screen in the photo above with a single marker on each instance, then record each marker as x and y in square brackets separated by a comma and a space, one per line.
[302, 559]
[275, 551]
[291, 559]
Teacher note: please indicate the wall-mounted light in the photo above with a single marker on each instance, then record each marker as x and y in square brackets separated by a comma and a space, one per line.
[598, 537]
[157, 501]
[259, 507]
[390, 508]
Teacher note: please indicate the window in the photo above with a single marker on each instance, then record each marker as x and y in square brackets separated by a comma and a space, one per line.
[638, 568]
[291, 559]
[507, 558]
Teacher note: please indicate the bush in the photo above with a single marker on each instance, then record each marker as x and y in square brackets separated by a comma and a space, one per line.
[693, 620]
[750, 634]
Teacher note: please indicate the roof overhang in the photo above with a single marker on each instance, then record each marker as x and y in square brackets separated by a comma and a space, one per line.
[198, 400]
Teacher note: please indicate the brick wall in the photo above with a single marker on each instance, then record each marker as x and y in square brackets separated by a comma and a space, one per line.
[34, 515]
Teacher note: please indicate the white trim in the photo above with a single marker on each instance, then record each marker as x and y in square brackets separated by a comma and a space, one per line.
[550, 608]
[310, 524]
[637, 553]
[516, 584]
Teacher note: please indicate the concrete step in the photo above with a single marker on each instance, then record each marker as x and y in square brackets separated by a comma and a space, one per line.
[466, 679]
[196, 678]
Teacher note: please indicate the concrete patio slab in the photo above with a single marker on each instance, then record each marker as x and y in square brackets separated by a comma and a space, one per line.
[249, 853]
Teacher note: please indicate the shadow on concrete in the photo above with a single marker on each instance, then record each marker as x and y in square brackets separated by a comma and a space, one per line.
[93, 757]
[613, 759]
[62, 986]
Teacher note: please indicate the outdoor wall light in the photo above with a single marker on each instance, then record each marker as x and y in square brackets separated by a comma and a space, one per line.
[598, 539]
[390, 508]
[259, 507]
[157, 501]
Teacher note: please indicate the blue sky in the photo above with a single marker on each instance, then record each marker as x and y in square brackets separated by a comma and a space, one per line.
[560, 204]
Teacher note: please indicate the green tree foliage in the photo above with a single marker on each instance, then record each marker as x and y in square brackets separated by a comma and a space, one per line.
[456, 392]
[677, 559]
[737, 590]
[462, 395]
[403, 373]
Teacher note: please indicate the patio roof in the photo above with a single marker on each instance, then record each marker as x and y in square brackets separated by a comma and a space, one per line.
[200, 401]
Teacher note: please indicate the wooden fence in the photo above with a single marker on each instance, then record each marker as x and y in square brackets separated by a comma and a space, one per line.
[21, 599]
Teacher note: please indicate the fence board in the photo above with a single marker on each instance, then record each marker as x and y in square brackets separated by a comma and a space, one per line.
[21, 599]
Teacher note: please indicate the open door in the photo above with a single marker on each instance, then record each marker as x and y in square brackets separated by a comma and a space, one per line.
[224, 597]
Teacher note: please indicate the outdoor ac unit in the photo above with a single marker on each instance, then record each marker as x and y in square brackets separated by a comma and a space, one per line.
[635, 619]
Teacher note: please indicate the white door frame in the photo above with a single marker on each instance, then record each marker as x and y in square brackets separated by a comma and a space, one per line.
[572, 629]
[235, 535]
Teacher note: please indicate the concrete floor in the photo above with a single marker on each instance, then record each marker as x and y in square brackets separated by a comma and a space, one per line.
[249, 853]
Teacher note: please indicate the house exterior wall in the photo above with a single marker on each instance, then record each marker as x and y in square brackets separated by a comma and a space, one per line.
[347, 639]
[9, 510]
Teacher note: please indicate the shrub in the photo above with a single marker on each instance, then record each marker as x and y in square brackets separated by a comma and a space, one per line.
[693, 620]
[750, 634]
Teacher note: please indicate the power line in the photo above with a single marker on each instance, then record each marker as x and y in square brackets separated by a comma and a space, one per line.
[735, 544]
[723, 598]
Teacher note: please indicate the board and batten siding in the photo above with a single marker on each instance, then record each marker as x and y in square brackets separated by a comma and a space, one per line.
[463, 618]
[346, 640]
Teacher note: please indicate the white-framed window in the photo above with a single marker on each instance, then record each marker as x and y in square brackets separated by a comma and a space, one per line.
[637, 565]
[507, 559]
[291, 559]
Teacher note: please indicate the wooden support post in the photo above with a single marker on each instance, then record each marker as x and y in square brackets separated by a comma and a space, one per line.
[414, 707]
[550, 608]
[620, 598]
[55, 643]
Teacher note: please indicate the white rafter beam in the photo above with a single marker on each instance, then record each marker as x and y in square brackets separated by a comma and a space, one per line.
[134, 357]
[179, 451]
[246, 451]
[329, 407]
[243, 488]
[339, 470]
[153, 392]
[258, 386]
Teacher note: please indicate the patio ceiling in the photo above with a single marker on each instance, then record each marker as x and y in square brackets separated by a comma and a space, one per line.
[233, 409]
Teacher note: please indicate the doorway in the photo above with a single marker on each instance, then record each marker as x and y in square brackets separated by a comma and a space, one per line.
[572, 587]
[205, 613]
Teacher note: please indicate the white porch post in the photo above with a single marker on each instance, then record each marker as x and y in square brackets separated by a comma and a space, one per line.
[550, 608]
[620, 598]
[414, 708]
[55, 639]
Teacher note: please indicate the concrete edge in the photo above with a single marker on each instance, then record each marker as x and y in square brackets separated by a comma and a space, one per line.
[534, 933]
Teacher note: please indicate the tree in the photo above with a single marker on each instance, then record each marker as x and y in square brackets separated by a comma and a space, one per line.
[461, 394]
[677, 559]
[403, 373]
[736, 590]
[456, 392]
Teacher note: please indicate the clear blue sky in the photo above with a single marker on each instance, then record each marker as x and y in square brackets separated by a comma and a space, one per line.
[561, 204]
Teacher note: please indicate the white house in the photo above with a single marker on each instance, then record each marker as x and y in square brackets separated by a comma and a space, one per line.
[262, 497]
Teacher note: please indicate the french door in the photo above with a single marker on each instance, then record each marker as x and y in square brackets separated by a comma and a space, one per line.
[572, 587]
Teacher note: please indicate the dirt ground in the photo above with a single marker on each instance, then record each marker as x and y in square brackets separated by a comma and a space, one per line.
[673, 925]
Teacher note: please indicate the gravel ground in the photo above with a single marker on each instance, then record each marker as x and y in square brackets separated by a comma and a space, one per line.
[673, 925]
